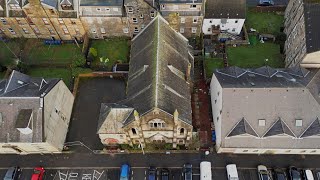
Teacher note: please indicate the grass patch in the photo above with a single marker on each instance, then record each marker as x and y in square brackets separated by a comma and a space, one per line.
[2, 74]
[36, 52]
[264, 22]
[64, 74]
[255, 56]
[211, 64]
[114, 49]
[9, 51]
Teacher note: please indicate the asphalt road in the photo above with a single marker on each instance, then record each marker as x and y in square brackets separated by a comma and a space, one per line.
[87, 164]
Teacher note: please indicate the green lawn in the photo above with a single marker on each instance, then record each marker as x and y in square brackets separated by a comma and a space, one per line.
[9, 51]
[2, 74]
[35, 52]
[211, 64]
[255, 56]
[116, 50]
[63, 73]
[264, 22]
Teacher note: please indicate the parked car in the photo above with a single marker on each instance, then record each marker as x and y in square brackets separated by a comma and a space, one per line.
[38, 173]
[187, 171]
[13, 173]
[307, 174]
[279, 174]
[164, 174]
[125, 172]
[232, 172]
[294, 174]
[266, 3]
[263, 173]
[152, 173]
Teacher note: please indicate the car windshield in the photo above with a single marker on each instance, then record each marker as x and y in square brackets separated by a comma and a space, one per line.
[265, 177]
[36, 171]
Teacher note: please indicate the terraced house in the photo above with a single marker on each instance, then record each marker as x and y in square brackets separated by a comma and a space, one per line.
[265, 110]
[158, 104]
[72, 19]
[302, 29]
[34, 114]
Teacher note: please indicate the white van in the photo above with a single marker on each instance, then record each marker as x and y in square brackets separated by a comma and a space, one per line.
[308, 174]
[205, 170]
[232, 172]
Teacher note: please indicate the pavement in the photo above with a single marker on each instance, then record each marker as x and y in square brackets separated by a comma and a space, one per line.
[91, 93]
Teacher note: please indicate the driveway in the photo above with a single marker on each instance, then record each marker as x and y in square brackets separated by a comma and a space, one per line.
[91, 93]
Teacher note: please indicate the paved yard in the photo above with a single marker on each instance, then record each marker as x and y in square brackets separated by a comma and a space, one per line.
[91, 93]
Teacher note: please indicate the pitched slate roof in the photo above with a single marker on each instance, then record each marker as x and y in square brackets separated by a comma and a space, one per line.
[224, 9]
[279, 128]
[266, 71]
[313, 129]
[232, 71]
[21, 85]
[297, 71]
[312, 14]
[242, 128]
[159, 55]
[52, 3]
[101, 3]
[112, 117]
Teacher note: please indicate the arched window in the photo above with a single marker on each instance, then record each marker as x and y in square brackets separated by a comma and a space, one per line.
[134, 131]
[157, 123]
[181, 131]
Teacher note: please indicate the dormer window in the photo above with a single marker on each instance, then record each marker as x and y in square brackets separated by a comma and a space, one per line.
[130, 9]
[157, 123]
[193, 6]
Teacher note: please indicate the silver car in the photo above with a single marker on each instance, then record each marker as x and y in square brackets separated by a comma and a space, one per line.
[263, 173]
[12, 173]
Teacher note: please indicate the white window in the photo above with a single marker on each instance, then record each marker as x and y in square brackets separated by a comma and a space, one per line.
[194, 30]
[60, 21]
[93, 31]
[25, 30]
[181, 30]
[11, 30]
[98, 9]
[141, 16]
[3, 20]
[157, 123]
[130, 9]
[298, 122]
[125, 30]
[45, 21]
[183, 20]
[103, 31]
[152, 14]
[210, 21]
[115, 9]
[236, 21]
[142, 26]
[136, 30]
[195, 19]
[107, 9]
[193, 6]
[262, 122]
[65, 30]
[163, 6]
[134, 20]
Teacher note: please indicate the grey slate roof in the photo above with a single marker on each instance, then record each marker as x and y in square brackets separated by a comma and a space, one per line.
[224, 9]
[52, 3]
[279, 128]
[242, 128]
[313, 129]
[260, 78]
[101, 3]
[312, 14]
[112, 116]
[21, 85]
[280, 100]
[16, 110]
[159, 61]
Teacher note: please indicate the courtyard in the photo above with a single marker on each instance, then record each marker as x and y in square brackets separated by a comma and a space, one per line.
[90, 94]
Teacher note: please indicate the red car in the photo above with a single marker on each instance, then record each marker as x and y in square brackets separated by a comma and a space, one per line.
[38, 173]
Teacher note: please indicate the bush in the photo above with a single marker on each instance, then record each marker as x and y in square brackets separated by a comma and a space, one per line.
[93, 52]
[125, 146]
[168, 146]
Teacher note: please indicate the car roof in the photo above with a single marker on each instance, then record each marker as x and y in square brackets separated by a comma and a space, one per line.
[309, 174]
[232, 170]
[124, 170]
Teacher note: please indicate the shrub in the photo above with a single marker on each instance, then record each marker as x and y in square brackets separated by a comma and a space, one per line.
[93, 52]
